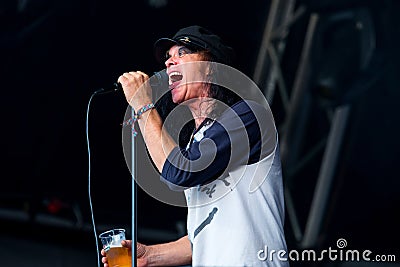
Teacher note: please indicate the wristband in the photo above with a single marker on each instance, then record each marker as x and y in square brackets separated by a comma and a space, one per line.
[136, 117]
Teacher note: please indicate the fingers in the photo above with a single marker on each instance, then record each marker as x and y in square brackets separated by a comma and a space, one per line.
[140, 248]
[126, 243]
[104, 259]
[142, 73]
[136, 76]
[103, 252]
[137, 93]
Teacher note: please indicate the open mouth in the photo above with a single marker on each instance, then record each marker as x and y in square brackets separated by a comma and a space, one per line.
[174, 77]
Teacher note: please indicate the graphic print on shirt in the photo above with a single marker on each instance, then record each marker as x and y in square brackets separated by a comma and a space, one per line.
[206, 222]
[209, 191]
[224, 179]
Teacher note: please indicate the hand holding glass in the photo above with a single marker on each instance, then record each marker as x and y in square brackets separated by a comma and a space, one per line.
[117, 255]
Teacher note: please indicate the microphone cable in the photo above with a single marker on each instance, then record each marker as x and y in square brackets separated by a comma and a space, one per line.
[100, 91]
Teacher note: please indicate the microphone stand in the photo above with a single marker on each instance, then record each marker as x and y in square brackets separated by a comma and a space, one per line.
[134, 191]
[158, 81]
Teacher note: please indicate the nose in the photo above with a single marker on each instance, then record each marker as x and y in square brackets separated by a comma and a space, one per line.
[170, 61]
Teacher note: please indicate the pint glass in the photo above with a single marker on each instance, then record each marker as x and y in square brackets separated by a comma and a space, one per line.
[117, 255]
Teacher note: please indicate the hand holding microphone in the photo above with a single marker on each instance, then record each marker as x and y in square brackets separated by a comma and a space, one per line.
[137, 86]
[158, 81]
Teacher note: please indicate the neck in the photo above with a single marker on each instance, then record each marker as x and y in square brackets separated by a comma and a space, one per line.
[201, 108]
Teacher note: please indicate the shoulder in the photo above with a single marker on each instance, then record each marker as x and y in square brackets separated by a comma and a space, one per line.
[248, 109]
[243, 106]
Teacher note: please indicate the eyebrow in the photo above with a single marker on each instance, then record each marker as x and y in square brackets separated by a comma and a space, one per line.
[179, 47]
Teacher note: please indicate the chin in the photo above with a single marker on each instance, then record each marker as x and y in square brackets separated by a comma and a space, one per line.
[176, 97]
[176, 100]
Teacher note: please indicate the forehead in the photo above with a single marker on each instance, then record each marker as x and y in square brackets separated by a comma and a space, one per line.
[174, 48]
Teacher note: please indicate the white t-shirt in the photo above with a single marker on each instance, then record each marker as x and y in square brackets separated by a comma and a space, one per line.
[241, 218]
[240, 213]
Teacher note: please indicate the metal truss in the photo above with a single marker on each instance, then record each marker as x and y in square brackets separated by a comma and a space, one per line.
[296, 103]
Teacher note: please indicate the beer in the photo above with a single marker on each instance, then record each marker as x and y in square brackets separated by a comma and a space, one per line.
[118, 257]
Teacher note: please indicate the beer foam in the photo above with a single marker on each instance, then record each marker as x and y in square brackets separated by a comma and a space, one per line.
[115, 246]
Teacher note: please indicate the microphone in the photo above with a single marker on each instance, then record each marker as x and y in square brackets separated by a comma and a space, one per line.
[158, 80]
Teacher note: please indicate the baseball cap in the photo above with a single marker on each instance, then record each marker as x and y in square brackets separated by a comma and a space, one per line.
[198, 38]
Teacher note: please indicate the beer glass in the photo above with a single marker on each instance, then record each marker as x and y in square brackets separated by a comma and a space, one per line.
[117, 255]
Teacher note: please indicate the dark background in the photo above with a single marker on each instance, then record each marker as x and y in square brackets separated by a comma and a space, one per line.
[55, 54]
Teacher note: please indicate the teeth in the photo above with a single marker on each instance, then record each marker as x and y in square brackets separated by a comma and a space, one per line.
[174, 73]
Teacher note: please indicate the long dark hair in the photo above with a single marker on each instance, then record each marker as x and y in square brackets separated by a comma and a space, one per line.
[224, 97]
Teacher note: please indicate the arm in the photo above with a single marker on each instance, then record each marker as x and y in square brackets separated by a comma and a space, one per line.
[174, 253]
[138, 94]
[232, 140]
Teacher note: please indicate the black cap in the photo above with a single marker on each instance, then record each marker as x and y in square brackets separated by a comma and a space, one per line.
[198, 38]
